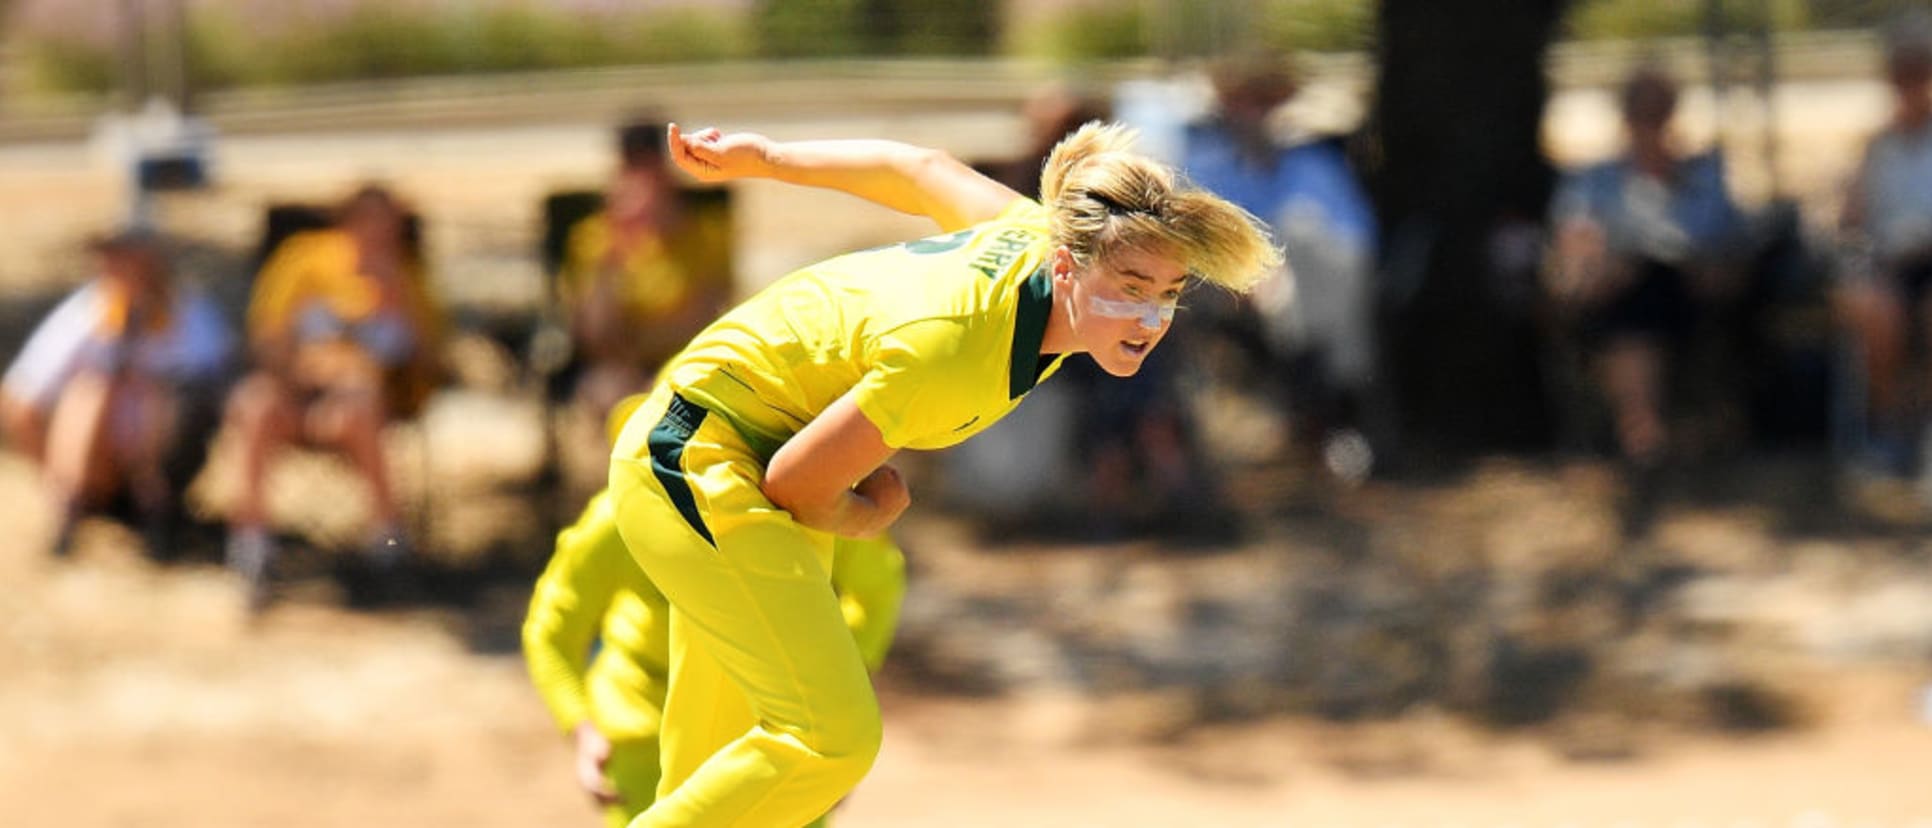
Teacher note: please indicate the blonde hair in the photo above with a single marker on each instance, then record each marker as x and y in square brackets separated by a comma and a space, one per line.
[1104, 197]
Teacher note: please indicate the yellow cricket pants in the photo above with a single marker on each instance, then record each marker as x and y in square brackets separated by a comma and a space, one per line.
[770, 717]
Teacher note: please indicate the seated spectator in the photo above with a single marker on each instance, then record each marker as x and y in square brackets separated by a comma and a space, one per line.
[95, 395]
[641, 276]
[1315, 317]
[344, 338]
[1646, 250]
[1887, 222]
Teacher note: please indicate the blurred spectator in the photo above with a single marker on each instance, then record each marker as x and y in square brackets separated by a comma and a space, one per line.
[1888, 227]
[95, 397]
[344, 337]
[641, 276]
[1315, 316]
[1646, 250]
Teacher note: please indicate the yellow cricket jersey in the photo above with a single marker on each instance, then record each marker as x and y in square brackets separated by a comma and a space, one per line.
[936, 338]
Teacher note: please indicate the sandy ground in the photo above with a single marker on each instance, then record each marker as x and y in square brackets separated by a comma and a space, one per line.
[138, 695]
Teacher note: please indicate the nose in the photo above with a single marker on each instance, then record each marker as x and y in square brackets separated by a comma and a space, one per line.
[1150, 318]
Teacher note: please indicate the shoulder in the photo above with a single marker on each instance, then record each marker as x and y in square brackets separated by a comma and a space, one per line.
[1602, 171]
[927, 341]
[1704, 164]
[1022, 211]
[312, 247]
[74, 316]
[326, 240]
[597, 224]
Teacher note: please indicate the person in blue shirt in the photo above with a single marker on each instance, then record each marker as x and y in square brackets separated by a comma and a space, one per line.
[1316, 316]
[1882, 294]
[1646, 248]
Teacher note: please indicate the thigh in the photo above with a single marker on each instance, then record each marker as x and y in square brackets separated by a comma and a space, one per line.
[747, 585]
[703, 710]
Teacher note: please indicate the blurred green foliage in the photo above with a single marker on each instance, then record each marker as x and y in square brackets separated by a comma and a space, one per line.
[930, 27]
[1847, 14]
[1197, 28]
[64, 63]
[1085, 32]
[376, 40]
[1646, 19]
[883, 28]
[807, 28]
[1317, 25]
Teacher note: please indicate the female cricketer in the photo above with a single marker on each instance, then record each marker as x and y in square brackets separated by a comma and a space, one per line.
[768, 435]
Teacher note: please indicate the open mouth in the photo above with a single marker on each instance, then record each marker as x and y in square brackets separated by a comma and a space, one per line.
[1135, 347]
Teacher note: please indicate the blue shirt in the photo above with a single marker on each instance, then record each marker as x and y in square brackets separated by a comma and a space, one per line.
[1304, 177]
[1689, 217]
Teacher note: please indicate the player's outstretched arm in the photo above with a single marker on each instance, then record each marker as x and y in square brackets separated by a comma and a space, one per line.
[917, 180]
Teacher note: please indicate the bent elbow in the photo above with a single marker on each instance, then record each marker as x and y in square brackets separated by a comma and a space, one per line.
[921, 161]
[782, 492]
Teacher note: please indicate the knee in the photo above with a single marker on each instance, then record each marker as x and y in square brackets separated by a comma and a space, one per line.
[23, 424]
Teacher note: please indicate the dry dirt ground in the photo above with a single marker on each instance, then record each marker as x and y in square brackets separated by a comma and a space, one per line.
[142, 695]
[135, 694]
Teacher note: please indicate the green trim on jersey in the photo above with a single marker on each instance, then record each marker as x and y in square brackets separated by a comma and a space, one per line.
[1029, 330]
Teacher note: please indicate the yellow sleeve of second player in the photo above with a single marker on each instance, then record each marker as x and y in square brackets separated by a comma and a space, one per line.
[870, 577]
[567, 610]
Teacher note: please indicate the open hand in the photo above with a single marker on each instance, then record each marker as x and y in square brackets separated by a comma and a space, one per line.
[711, 156]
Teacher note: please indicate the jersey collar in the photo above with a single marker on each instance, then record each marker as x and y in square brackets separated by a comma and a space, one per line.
[1029, 330]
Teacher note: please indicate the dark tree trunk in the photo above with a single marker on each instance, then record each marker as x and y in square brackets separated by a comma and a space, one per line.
[1454, 163]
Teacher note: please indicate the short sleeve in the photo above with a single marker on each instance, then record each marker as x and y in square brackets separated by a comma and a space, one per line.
[909, 390]
[54, 350]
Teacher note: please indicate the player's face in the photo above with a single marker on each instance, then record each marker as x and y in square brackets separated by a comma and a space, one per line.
[1123, 306]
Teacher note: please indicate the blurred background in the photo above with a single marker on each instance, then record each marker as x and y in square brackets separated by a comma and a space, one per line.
[1574, 472]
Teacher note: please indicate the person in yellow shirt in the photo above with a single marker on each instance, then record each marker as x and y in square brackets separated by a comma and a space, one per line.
[643, 274]
[768, 436]
[593, 595]
[343, 332]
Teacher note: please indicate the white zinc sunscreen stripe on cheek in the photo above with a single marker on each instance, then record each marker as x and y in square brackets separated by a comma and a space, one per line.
[1150, 314]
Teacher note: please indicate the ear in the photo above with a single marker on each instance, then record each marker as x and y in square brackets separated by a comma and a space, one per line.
[1062, 264]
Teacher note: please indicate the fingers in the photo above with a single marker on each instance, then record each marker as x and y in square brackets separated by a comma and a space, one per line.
[594, 783]
[606, 795]
[686, 149]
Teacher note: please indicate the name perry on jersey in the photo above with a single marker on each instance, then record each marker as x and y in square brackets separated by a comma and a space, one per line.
[1002, 249]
